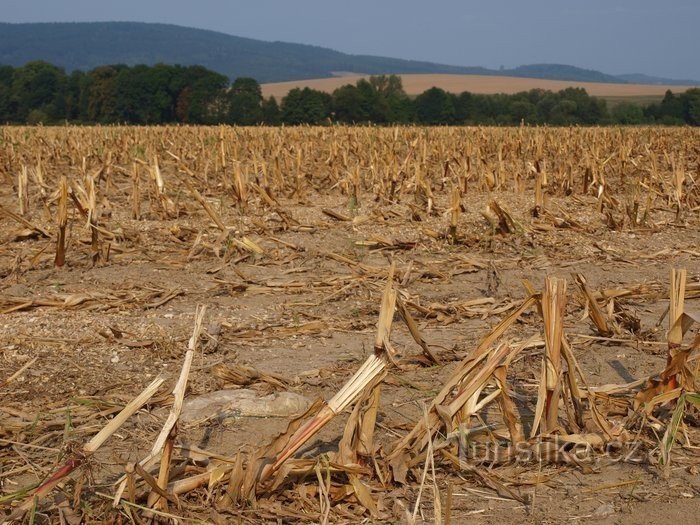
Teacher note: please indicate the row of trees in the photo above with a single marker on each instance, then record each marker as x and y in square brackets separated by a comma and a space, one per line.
[41, 92]
[160, 94]
[382, 100]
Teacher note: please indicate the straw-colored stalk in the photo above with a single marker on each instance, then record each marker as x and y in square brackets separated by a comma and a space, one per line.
[298, 177]
[507, 405]
[553, 307]
[38, 175]
[355, 184]
[473, 387]
[165, 440]
[594, 310]
[88, 450]
[23, 191]
[92, 220]
[135, 192]
[222, 149]
[413, 326]
[18, 373]
[675, 313]
[601, 197]
[167, 206]
[240, 185]
[467, 378]
[454, 212]
[24, 222]
[207, 208]
[678, 181]
[539, 195]
[368, 374]
[159, 446]
[62, 222]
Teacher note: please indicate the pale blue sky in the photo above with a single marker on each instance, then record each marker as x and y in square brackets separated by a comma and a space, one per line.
[613, 36]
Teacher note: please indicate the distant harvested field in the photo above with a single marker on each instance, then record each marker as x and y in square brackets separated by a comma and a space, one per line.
[416, 84]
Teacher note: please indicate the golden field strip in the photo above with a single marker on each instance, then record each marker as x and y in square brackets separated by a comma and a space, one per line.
[481, 84]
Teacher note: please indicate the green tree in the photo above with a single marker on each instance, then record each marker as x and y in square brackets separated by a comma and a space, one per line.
[545, 107]
[589, 110]
[348, 105]
[38, 85]
[627, 113]
[306, 106]
[387, 85]
[271, 112]
[690, 101]
[393, 103]
[563, 113]
[75, 110]
[99, 95]
[372, 101]
[435, 106]
[671, 106]
[165, 84]
[522, 110]
[6, 108]
[244, 102]
[198, 92]
[134, 96]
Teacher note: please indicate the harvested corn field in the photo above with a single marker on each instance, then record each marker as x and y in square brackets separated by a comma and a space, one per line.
[344, 324]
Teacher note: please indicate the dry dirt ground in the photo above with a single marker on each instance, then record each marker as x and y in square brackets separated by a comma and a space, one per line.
[306, 309]
[482, 84]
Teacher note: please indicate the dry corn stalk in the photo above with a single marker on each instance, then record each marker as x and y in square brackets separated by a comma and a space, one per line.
[163, 443]
[88, 450]
[62, 222]
[22, 191]
[501, 219]
[167, 206]
[135, 192]
[553, 306]
[372, 371]
[675, 312]
[92, 220]
[675, 320]
[240, 185]
[24, 222]
[539, 208]
[469, 377]
[594, 310]
[455, 208]
[210, 211]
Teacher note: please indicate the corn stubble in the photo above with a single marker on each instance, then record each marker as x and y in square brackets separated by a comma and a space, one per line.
[224, 174]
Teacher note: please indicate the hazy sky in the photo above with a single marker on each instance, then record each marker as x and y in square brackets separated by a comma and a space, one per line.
[614, 36]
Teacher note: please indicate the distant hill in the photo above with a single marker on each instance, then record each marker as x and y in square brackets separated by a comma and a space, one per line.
[90, 44]
[638, 78]
[563, 72]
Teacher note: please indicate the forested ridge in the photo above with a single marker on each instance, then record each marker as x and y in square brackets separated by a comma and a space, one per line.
[39, 92]
[87, 45]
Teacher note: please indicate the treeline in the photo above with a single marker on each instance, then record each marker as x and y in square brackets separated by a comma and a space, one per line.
[39, 92]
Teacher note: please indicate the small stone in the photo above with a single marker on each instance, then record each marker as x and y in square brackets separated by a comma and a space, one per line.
[242, 403]
[606, 509]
